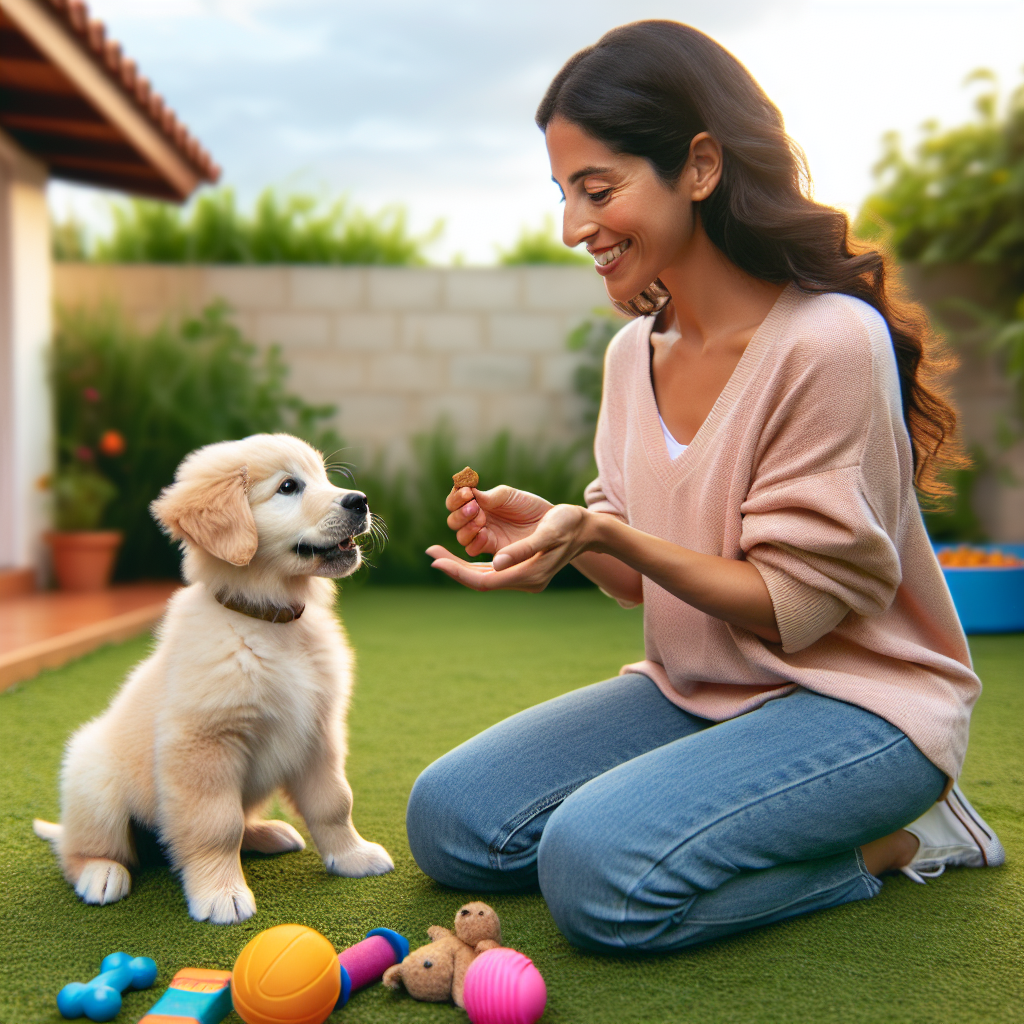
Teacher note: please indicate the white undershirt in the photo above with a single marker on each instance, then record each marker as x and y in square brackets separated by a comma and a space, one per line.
[675, 449]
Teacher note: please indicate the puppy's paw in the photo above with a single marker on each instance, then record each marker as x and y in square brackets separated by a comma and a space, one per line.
[103, 881]
[360, 860]
[272, 837]
[230, 904]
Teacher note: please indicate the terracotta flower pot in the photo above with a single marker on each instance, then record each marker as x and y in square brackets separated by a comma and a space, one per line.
[84, 559]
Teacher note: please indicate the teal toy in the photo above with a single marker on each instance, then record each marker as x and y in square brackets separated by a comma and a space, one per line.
[100, 999]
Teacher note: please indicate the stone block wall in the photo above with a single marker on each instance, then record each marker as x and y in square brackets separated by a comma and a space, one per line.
[394, 349]
[397, 349]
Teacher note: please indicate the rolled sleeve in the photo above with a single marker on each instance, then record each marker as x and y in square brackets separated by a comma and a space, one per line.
[822, 553]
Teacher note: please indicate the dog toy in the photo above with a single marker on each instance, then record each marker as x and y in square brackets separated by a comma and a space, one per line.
[367, 960]
[100, 999]
[290, 974]
[436, 972]
[503, 987]
[195, 996]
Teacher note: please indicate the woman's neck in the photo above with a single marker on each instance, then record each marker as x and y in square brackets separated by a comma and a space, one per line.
[713, 301]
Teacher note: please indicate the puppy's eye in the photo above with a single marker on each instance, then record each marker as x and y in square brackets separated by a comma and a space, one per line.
[289, 486]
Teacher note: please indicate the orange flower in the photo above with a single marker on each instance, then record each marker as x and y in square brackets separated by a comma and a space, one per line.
[112, 444]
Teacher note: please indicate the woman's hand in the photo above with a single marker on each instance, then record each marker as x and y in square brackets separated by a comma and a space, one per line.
[486, 521]
[529, 562]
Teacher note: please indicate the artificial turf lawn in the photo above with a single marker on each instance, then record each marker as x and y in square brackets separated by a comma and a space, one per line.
[435, 667]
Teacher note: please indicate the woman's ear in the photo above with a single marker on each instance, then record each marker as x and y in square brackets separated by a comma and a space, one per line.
[211, 512]
[703, 168]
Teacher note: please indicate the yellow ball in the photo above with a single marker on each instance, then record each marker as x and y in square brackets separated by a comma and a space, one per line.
[286, 975]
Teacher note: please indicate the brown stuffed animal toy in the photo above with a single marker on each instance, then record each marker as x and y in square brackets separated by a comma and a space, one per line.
[436, 972]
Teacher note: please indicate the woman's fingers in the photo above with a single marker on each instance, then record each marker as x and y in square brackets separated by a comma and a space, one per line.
[457, 497]
[532, 575]
[460, 516]
[521, 550]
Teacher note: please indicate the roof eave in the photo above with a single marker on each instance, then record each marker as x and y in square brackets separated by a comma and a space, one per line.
[51, 38]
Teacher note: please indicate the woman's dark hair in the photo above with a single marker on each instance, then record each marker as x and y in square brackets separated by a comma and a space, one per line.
[647, 89]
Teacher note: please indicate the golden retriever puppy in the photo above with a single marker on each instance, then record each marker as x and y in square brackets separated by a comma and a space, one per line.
[246, 690]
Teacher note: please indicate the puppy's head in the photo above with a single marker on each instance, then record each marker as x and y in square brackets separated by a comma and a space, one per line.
[264, 502]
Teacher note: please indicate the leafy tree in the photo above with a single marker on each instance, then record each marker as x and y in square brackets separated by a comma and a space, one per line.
[958, 198]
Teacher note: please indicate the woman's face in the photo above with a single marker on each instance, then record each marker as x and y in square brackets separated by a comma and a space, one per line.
[634, 224]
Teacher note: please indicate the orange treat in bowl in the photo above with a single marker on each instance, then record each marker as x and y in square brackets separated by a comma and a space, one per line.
[967, 557]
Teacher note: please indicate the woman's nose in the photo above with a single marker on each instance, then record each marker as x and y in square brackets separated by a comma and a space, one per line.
[577, 226]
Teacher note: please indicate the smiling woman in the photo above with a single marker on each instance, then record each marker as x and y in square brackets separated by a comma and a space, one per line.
[803, 706]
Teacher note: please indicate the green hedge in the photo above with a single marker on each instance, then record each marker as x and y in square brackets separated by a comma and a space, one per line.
[279, 229]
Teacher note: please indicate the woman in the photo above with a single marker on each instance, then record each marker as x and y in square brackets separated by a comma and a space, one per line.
[807, 687]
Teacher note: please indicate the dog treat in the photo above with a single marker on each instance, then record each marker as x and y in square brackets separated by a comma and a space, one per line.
[466, 478]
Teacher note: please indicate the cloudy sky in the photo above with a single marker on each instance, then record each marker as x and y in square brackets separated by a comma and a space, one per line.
[431, 104]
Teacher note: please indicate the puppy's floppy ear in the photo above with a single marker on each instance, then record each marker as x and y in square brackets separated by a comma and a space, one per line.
[211, 512]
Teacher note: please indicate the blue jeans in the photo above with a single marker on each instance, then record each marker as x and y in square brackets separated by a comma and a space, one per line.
[649, 829]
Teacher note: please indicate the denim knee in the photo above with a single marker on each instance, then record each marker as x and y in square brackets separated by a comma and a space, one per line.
[437, 835]
[581, 877]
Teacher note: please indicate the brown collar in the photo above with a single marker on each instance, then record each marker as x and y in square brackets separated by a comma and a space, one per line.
[271, 613]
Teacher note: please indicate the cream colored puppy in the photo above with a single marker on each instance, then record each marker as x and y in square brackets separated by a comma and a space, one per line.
[246, 690]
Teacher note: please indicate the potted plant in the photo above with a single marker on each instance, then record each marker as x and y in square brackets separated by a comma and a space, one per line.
[83, 553]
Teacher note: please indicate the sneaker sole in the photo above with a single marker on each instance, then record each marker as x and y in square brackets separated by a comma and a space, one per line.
[992, 852]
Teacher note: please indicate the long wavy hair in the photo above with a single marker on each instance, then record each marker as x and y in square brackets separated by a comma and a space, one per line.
[647, 89]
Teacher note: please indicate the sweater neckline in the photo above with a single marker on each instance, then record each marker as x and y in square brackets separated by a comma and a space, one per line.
[671, 470]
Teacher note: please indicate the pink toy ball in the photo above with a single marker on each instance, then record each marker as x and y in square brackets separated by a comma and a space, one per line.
[503, 987]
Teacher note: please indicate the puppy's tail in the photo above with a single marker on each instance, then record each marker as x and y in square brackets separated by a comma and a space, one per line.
[47, 830]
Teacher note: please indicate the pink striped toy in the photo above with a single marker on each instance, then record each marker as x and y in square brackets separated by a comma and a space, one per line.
[504, 987]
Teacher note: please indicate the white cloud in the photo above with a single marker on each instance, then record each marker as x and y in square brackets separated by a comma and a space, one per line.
[432, 104]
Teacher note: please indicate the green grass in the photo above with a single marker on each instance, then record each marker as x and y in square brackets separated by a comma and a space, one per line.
[435, 667]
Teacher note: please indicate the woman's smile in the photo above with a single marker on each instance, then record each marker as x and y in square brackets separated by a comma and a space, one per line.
[609, 258]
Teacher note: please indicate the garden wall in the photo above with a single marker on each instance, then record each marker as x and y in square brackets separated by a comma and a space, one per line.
[394, 349]
[397, 349]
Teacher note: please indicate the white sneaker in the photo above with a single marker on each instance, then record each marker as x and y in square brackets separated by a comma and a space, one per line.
[952, 832]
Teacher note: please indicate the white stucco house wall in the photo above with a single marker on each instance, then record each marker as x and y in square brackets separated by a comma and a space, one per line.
[72, 106]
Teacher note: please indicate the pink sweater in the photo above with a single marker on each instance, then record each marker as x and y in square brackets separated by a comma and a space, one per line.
[803, 467]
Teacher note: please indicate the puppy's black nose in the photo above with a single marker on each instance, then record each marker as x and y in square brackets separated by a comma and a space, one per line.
[355, 501]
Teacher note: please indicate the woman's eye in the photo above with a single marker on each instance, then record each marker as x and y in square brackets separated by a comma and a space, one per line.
[290, 486]
[597, 197]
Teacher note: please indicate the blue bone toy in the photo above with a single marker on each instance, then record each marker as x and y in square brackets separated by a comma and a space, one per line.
[100, 1000]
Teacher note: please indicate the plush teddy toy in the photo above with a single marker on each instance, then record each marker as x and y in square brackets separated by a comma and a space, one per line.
[436, 972]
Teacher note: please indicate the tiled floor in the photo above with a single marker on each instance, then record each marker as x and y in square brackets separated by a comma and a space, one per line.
[44, 630]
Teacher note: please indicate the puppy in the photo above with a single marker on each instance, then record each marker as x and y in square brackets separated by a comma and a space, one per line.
[246, 690]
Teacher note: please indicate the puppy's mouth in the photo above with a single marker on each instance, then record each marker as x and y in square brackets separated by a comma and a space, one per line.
[337, 550]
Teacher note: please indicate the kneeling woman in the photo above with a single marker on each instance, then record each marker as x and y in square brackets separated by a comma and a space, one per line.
[803, 707]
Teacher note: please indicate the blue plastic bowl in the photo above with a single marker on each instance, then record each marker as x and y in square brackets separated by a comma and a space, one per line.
[988, 599]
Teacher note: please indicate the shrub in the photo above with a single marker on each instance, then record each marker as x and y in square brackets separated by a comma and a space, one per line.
[163, 393]
[591, 337]
[159, 395]
[280, 229]
[410, 500]
[538, 246]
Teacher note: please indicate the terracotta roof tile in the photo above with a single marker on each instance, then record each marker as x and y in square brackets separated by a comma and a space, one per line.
[107, 54]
